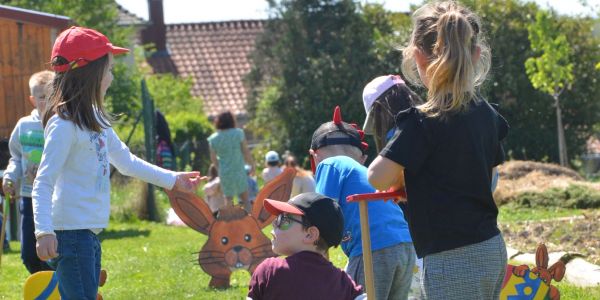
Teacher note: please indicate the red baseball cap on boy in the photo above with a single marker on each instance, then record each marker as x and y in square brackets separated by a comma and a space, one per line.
[79, 46]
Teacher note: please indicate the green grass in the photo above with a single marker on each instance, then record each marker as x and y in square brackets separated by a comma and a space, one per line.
[512, 213]
[145, 261]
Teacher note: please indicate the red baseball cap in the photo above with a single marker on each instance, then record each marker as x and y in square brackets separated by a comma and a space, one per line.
[80, 45]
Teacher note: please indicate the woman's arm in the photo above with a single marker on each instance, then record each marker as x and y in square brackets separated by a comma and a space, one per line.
[384, 173]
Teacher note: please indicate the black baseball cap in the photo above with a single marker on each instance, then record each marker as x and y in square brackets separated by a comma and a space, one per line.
[319, 210]
[351, 135]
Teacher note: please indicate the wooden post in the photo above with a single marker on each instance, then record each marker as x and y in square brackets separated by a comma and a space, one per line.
[366, 247]
[149, 142]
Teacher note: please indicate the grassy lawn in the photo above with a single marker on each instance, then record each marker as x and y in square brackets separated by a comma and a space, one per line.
[153, 261]
[145, 261]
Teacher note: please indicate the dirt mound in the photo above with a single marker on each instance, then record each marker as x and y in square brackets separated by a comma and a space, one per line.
[517, 177]
[516, 169]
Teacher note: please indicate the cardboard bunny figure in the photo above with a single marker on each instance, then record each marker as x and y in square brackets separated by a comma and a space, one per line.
[522, 283]
[235, 238]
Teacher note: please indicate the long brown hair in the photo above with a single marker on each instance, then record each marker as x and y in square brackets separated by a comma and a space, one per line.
[449, 35]
[77, 95]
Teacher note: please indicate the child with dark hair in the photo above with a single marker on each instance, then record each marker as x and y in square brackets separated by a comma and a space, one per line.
[229, 151]
[4, 157]
[165, 152]
[212, 190]
[71, 192]
[444, 152]
[305, 228]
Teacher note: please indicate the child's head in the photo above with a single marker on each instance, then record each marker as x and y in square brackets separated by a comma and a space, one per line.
[309, 221]
[383, 98]
[82, 59]
[39, 85]
[337, 138]
[272, 159]
[447, 54]
[225, 120]
[213, 172]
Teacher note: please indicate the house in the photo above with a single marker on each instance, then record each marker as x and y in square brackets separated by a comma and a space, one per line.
[214, 54]
[27, 38]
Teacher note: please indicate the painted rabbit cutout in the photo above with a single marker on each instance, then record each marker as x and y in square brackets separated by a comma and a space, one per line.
[522, 283]
[235, 238]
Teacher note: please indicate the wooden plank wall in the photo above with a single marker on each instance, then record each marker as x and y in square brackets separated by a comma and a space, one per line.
[25, 49]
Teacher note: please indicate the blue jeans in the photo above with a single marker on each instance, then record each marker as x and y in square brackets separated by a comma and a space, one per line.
[28, 254]
[78, 264]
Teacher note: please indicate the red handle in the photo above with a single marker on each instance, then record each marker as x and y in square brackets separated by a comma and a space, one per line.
[399, 195]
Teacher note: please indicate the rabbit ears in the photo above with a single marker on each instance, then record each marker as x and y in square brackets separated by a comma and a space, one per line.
[278, 189]
[194, 212]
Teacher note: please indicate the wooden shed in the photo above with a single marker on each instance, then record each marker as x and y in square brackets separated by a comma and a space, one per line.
[27, 37]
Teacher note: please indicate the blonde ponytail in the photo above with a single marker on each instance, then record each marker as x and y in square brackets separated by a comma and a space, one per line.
[449, 36]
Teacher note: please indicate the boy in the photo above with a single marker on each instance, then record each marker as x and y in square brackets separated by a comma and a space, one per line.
[26, 145]
[305, 228]
[273, 169]
[338, 152]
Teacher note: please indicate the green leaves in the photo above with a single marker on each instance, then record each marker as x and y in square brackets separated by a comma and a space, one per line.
[552, 71]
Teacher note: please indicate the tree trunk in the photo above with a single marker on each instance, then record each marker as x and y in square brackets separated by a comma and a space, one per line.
[562, 144]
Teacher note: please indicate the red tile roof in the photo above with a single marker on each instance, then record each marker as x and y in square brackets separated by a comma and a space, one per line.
[216, 55]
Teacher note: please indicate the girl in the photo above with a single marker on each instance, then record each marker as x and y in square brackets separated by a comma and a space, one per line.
[228, 151]
[72, 189]
[446, 149]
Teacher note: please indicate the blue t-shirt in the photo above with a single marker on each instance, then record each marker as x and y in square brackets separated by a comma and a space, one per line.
[340, 176]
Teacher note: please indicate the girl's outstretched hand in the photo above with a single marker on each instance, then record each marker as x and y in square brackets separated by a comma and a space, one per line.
[47, 247]
[188, 181]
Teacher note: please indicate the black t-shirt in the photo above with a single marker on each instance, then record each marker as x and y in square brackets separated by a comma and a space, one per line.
[448, 172]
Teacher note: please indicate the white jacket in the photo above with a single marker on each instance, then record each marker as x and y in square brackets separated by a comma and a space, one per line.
[72, 187]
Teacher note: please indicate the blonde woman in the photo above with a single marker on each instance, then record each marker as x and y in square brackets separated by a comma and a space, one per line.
[445, 151]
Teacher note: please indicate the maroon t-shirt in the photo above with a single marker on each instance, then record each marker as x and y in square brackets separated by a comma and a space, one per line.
[304, 275]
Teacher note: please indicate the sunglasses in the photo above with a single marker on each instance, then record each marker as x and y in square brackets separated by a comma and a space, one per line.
[284, 222]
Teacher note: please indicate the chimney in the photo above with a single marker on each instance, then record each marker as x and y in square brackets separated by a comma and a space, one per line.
[156, 32]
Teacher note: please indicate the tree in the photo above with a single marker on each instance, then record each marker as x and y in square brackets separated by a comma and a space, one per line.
[531, 118]
[312, 56]
[552, 72]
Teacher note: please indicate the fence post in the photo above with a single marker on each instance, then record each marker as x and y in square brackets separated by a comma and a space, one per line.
[149, 142]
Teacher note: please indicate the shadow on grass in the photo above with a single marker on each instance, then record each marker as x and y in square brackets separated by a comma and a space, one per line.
[120, 234]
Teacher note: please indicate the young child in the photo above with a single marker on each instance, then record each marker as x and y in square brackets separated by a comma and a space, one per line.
[446, 150]
[338, 153]
[212, 191]
[71, 192]
[252, 184]
[305, 228]
[26, 145]
[273, 169]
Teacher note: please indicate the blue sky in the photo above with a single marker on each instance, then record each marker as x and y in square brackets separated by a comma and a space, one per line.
[187, 11]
